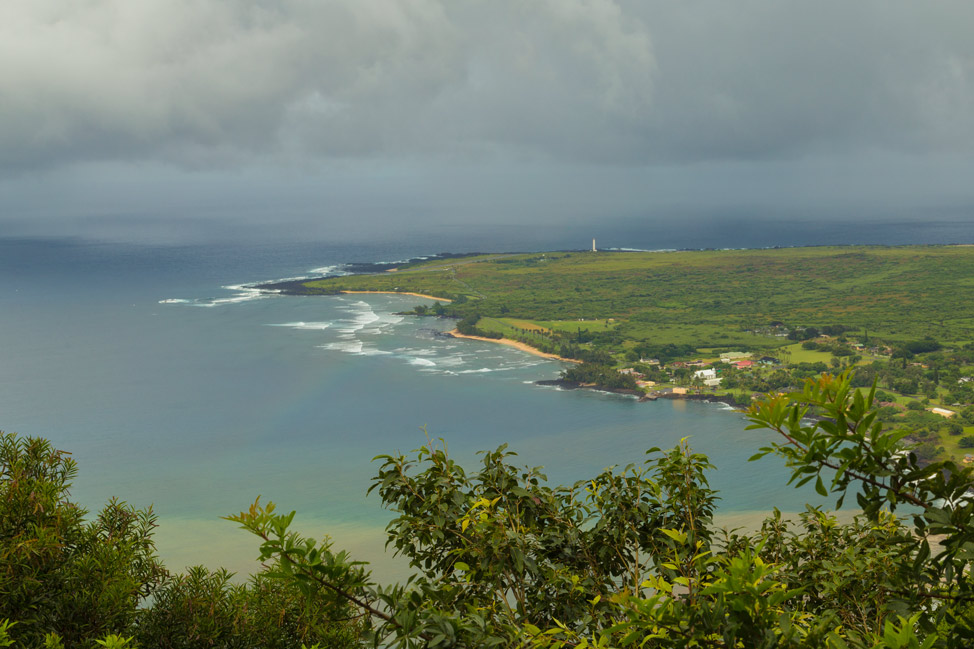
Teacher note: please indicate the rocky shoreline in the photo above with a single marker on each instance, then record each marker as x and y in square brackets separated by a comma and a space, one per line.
[652, 396]
[296, 287]
[710, 398]
[565, 384]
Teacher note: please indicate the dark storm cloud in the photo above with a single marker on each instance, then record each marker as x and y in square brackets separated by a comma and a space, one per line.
[766, 78]
[209, 83]
[201, 82]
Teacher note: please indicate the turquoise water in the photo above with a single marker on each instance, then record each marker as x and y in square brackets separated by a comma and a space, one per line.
[174, 391]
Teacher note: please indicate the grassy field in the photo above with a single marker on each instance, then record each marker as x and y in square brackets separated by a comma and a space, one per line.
[717, 299]
[796, 354]
[951, 446]
[698, 304]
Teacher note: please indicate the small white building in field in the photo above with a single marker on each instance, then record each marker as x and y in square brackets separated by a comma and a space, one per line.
[730, 357]
[705, 374]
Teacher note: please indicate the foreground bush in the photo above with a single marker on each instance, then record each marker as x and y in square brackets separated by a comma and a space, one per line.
[630, 558]
[59, 572]
[204, 609]
[69, 582]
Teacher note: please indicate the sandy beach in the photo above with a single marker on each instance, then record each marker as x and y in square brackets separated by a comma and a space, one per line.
[514, 343]
[431, 297]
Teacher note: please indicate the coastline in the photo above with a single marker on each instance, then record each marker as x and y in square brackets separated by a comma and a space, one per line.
[516, 344]
[431, 297]
[565, 384]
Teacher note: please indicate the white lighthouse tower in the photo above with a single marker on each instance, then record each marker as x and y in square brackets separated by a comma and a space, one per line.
[593, 245]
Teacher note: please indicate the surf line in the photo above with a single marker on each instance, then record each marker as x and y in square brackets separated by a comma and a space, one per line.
[524, 347]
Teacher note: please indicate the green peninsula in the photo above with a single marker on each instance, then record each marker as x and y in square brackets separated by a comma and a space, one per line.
[760, 320]
[702, 298]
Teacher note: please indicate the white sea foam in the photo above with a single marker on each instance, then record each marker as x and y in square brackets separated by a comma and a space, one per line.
[382, 322]
[481, 370]
[424, 362]
[244, 293]
[248, 292]
[364, 315]
[548, 387]
[327, 271]
[347, 346]
[452, 361]
[372, 351]
[353, 346]
[418, 352]
[524, 364]
[402, 261]
[296, 278]
[304, 325]
[324, 271]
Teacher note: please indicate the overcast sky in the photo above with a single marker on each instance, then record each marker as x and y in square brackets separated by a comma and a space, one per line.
[359, 113]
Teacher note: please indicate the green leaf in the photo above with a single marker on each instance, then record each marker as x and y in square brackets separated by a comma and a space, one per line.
[676, 535]
[820, 488]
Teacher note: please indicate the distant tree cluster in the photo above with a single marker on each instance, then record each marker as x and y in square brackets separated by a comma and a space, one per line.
[601, 375]
[911, 349]
[70, 581]
[807, 333]
[468, 327]
[666, 352]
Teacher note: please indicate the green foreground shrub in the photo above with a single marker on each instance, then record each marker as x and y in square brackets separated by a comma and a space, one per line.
[69, 582]
[58, 571]
[630, 558]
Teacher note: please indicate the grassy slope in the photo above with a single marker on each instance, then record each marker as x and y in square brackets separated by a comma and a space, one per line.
[709, 298]
[951, 447]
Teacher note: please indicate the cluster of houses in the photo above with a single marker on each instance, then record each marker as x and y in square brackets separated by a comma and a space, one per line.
[738, 360]
[706, 375]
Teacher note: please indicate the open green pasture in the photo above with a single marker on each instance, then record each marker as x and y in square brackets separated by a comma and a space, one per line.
[571, 326]
[708, 298]
[715, 336]
[951, 444]
[797, 354]
[508, 329]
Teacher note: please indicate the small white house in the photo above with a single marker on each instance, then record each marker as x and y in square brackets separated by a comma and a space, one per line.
[705, 374]
[712, 383]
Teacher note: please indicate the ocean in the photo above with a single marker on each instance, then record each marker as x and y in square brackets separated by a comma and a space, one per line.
[175, 386]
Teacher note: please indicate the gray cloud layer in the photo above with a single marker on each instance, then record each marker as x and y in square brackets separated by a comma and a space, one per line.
[218, 82]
